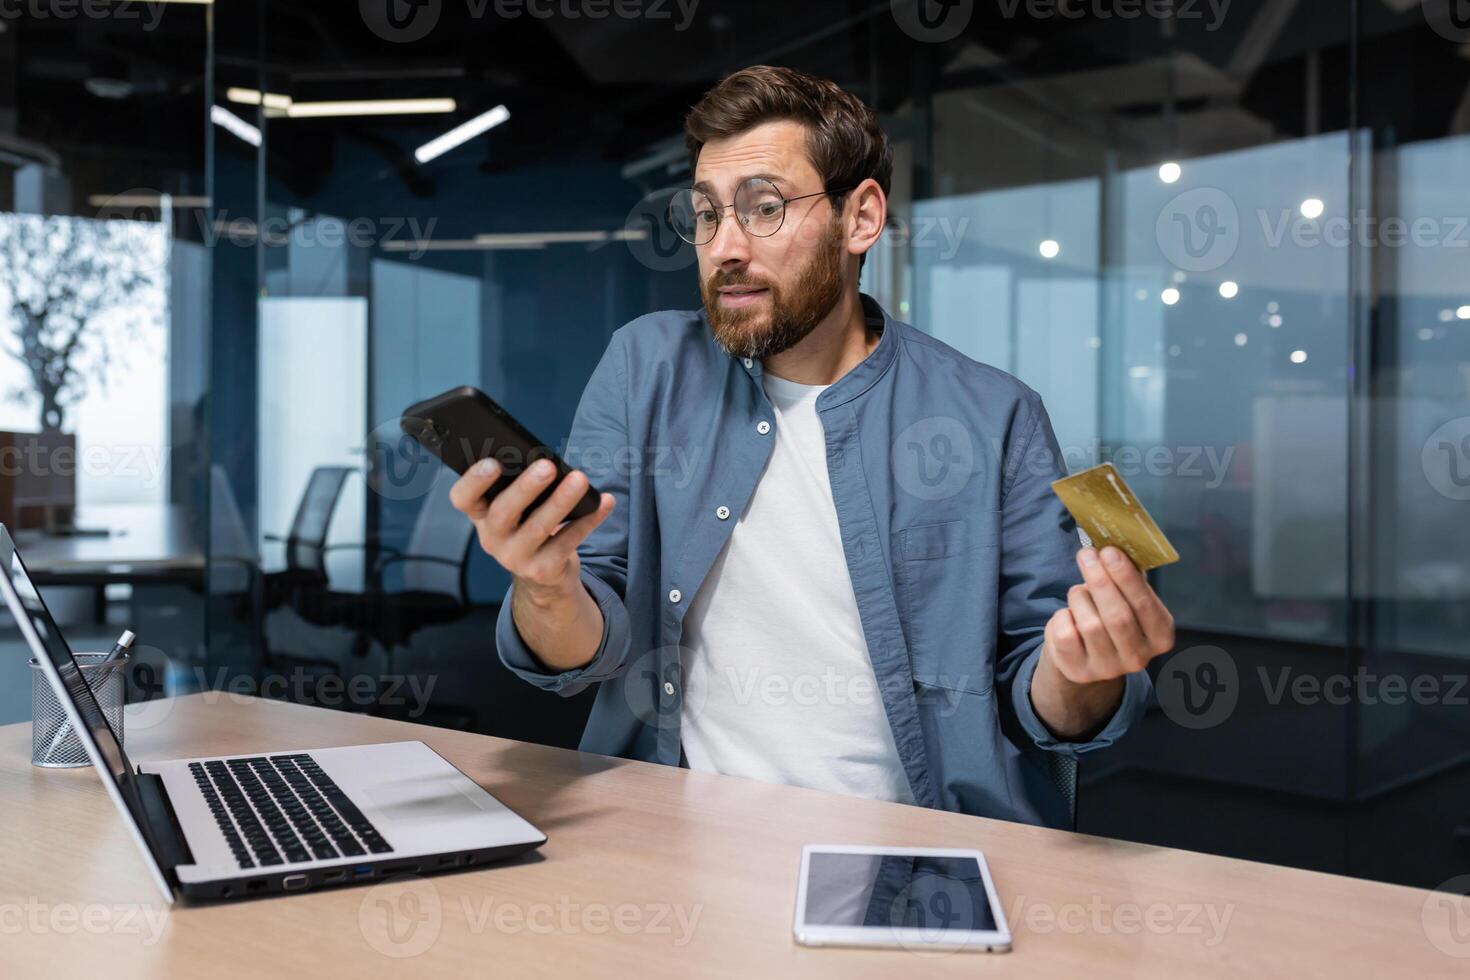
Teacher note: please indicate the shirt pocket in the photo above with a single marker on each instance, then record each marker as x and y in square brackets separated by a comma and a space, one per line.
[946, 593]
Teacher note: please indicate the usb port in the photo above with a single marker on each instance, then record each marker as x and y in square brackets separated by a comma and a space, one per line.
[337, 875]
[362, 871]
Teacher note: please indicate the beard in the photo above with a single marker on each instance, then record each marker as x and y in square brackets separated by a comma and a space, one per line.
[790, 314]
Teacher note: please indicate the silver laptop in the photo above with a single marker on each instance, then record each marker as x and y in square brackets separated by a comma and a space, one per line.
[236, 826]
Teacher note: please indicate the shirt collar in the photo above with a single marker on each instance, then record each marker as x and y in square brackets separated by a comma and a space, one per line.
[863, 376]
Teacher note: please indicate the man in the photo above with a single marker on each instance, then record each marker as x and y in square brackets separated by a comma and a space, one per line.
[866, 584]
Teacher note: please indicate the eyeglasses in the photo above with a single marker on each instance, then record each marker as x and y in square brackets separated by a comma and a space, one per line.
[758, 204]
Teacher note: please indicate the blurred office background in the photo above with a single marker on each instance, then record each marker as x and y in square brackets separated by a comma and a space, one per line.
[1227, 244]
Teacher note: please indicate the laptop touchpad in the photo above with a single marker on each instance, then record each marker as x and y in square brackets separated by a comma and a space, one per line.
[421, 799]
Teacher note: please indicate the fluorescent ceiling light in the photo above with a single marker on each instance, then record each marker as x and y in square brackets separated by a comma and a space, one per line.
[462, 133]
[223, 117]
[534, 240]
[249, 96]
[147, 200]
[369, 107]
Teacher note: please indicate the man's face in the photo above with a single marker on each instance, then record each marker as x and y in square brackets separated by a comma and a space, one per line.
[763, 295]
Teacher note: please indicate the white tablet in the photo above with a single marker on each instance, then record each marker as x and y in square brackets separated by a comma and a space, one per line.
[916, 898]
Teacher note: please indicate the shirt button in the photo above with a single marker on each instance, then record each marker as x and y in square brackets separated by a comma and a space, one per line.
[669, 688]
[675, 595]
[723, 513]
[747, 362]
[763, 427]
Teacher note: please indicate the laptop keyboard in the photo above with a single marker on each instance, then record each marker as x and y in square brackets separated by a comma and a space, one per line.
[282, 809]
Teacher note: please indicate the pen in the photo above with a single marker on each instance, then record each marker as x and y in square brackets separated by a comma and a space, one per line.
[118, 649]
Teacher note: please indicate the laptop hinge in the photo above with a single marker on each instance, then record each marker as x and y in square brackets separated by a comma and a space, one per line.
[160, 824]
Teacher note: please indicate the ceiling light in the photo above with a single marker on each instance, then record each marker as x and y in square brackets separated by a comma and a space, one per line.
[1298, 357]
[1229, 289]
[1050, 249]
[462, 133]
[1241, 340]
[250, 96]
[226, 119]
[1463, 312]
[369, 107]
[1169, 172]
[1312, 207]
[1170, 296]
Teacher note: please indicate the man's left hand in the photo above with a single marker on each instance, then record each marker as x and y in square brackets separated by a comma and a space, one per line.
[1114, 624]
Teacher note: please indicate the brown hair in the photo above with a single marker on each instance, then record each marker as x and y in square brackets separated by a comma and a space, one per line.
[844, 141]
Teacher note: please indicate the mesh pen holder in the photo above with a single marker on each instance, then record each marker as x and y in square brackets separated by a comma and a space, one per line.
[48, 717]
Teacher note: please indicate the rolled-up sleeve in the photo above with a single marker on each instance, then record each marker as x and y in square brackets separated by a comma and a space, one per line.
[599, 437]
[1038, 566]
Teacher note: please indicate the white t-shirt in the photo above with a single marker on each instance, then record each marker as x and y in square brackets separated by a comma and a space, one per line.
[778, 685]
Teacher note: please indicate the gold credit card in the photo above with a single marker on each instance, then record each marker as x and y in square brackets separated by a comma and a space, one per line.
[1108, 512]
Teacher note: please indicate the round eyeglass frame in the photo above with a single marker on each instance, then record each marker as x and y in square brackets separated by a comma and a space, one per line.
[744, 219]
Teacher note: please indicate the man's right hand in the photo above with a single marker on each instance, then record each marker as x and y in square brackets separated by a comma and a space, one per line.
[538, 547]
[554, 614]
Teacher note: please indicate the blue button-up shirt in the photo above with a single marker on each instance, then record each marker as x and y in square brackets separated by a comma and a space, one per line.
[958, 550]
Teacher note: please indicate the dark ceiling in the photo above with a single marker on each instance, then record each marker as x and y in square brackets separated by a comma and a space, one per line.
[123, 101]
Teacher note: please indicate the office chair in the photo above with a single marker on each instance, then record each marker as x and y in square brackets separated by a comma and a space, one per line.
[306, 542]
[1063, 771]
[432, 574]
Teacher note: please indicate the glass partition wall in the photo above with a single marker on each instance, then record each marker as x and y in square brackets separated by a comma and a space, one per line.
[1226, 244]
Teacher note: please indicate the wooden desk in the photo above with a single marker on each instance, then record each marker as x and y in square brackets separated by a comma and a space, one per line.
[633, 846]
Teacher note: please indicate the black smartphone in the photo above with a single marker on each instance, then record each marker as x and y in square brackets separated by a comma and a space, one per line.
[464, 425]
